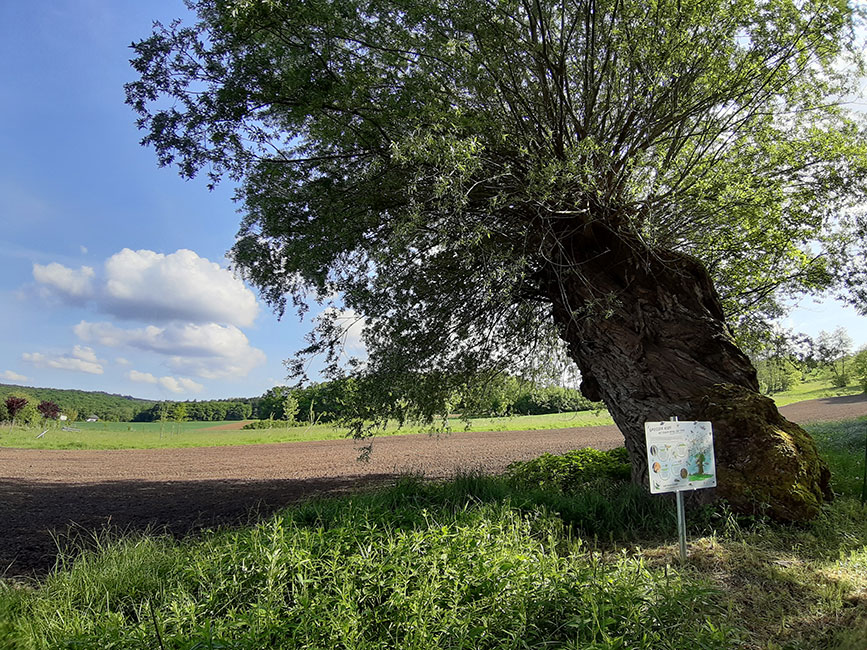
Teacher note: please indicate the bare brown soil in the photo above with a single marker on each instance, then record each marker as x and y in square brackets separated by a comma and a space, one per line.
[69, 493]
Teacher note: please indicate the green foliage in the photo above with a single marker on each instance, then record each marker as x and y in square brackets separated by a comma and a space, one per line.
[859, 368]
[843, 444]
[504, 395]
[206, 411]
[476, 562]
[264, 424]
[108, 407]
[832, 350]
[572, 470]
[451, 189]
[21, 409]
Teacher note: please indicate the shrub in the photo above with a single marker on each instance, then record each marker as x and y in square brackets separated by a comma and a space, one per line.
[49, 410]
[571, 470]
[271, 424]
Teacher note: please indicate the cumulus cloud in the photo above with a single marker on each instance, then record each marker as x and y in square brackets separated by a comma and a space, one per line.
[121, 361]
[182, 286]
[82, 359]
[59, 280]
[174, 384]
[142, 377]
[208, 350]
[11, 375]
[180, 384]
[152, 287]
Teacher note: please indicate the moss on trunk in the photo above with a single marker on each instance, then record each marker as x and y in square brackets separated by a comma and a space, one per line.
[765, 463]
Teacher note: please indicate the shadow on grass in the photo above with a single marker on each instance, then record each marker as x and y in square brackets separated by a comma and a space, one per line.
[37, 517]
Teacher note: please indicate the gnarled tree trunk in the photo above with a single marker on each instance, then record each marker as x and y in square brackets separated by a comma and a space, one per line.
[649, 336]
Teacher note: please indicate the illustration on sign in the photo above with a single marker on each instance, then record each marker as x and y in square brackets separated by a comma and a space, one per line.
[680, 456]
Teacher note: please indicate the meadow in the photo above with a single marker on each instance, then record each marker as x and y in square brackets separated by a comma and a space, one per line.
[153, 435]
[475, 562]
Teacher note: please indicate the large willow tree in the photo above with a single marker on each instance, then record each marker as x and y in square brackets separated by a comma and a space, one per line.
[483, 180]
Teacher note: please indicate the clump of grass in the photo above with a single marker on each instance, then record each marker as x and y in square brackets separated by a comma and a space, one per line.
[566, 472]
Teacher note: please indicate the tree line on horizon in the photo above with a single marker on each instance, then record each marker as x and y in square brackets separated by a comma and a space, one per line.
[782, 359]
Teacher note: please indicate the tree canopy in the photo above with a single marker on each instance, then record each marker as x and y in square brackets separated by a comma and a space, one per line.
[424, 160]
[480, 179]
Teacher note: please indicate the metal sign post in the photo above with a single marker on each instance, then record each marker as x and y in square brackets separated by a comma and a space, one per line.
[680, 457]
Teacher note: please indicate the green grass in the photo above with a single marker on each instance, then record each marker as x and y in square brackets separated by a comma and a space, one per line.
[148, 435]
[477, 562]
[814, 390]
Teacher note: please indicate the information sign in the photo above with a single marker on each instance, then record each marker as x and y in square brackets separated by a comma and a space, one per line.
[680, 456]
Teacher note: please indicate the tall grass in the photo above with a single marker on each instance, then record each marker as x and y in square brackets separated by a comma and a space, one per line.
[468, 564]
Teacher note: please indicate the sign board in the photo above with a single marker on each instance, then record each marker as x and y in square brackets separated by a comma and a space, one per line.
[680, 456]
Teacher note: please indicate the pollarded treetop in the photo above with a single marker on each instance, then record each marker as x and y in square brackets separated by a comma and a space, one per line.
[443, 166]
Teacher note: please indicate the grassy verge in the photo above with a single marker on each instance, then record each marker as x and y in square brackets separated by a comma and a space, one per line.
[477, 562]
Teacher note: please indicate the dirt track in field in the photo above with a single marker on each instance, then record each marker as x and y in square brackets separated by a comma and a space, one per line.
[48, 492]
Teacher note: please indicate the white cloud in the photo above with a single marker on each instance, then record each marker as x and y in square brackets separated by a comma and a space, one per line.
[174, 384]
[210, 350]
[180, 384]
[121, 361]
[64, 282]
[143, 377]
[10, 375]
[152, 287]
[83, 249]
[182, 286]
[82, 359]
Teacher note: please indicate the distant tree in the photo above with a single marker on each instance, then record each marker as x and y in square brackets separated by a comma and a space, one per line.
[290, 409]
[14, 405]
[49, 410]
[832, 348]
[179, 412]
[859, 367]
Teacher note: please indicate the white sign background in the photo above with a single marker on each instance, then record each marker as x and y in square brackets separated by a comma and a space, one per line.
[680, 455]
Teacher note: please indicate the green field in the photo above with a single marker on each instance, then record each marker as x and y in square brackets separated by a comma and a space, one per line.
[153, 435]
[473, 563]
[814, 390]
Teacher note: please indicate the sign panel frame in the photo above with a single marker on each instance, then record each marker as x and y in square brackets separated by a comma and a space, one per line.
[680, 456]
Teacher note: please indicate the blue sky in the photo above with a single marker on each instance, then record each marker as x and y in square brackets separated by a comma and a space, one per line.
[113, 270]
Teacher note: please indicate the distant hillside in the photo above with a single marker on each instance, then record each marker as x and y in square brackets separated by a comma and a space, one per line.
[106, 406]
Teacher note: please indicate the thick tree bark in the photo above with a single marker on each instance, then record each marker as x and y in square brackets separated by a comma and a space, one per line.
[649, 336]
